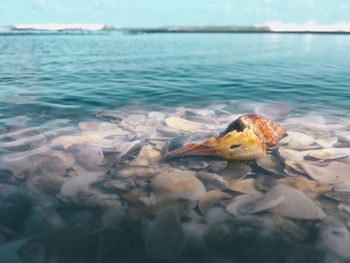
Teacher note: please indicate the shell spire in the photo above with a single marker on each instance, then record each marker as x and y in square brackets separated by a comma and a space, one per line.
[268, 131]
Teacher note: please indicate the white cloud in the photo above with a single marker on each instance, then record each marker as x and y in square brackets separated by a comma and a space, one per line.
[228, 8]
[269, 2]
[106, 2]
[41, 3]
[60, 9]
[307, 3]
[256, 9]
[344, 7]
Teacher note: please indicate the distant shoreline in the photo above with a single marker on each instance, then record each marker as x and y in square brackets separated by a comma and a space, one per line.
[86, 29]
[144, 32]
[156, 31]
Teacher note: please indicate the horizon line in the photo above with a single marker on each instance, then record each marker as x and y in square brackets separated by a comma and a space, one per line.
[270, 26]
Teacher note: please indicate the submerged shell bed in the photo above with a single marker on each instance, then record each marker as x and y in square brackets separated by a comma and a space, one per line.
[99, 191]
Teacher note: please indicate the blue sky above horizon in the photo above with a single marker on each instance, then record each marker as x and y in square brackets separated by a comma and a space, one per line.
[145, 13]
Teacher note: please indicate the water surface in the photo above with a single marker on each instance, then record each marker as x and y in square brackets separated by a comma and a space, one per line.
[69, 75]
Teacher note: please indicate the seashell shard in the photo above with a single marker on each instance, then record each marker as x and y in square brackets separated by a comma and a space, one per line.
[210, 199]
[125, 148]
[77, 185]
[186, 125]
[212, 180]
[87, 155]
[236, 170]
[245, 186]
[29, 161]
[343, 197]
[321, 154]
[216, 215]
[342, 187]
[329, 153]
[280, 200]
[296, 138]
[246, 138]
[327, 142]
[271, 164]
[264, 182]
[147, 156]
[155, 118]
[178, 184]
[309, 187]
[251, 204]
[27, 141]
[77, 188]
[67, 140]
[140, 172]
[291, 155]
[295, 205]
[44, 183]
[333, 173]
[344, 135]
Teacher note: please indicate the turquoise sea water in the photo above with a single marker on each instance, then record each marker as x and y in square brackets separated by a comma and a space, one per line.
[51, 76]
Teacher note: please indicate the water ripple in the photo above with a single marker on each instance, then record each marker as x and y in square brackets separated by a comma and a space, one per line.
[64, 75]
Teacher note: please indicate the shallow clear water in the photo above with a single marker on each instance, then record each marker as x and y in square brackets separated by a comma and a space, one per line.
[85, 121]
[47, 77]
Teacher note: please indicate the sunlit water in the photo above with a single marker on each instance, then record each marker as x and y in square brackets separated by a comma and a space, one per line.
[77, 109]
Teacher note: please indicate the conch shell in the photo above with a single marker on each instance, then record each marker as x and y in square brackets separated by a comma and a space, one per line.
[246, 138]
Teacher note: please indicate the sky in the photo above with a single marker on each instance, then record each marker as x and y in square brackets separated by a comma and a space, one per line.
[152, 13]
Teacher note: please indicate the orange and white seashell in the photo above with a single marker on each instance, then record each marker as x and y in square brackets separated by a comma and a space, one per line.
[246, 138]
